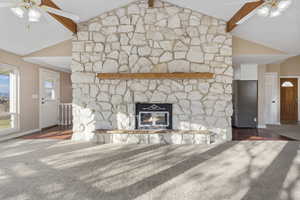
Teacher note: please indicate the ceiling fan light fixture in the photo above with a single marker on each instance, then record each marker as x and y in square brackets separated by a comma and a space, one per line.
[264, 11]
[273, 8]
[275, 13]
[19, 12]
[284, 4]
[34, 15]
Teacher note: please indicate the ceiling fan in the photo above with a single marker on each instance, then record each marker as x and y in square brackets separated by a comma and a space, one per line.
[32, 10]
[265, 8]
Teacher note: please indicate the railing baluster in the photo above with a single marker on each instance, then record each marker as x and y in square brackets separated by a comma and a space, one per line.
[65, 114]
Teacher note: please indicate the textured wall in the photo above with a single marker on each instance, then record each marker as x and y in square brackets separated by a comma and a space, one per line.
[245, 47]
[290, 67]
[65, 87]
[166, 38]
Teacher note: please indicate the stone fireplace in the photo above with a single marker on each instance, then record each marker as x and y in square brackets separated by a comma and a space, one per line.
[164, 39]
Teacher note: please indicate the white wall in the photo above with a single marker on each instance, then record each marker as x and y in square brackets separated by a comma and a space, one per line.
[261, 69]
[249, 72]
[246, 72]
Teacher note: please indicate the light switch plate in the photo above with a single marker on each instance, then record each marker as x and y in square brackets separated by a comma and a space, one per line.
[35, 96]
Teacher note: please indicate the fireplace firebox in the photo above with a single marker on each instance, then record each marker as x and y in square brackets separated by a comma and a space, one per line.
[153, 116]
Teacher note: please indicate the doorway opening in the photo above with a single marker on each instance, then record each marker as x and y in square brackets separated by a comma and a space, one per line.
[49, 98]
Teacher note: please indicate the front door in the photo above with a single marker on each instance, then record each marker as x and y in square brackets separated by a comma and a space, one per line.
[289, 99]
[49, 98]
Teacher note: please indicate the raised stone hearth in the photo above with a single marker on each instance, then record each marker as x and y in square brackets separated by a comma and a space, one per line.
[154, 137]
[165, 39]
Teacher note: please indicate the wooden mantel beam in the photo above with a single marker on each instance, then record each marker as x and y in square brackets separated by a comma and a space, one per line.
[246, 10]
[68, 23]
[155, 75]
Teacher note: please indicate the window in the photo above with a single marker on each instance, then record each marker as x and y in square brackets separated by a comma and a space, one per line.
[287, 84]
[49, 86]
[9, 85]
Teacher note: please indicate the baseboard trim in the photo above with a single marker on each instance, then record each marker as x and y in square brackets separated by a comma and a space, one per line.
[276, 123]
[261, 126]
[15, 135]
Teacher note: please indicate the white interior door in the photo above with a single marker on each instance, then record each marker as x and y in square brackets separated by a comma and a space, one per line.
[49, 98]
[271, 98]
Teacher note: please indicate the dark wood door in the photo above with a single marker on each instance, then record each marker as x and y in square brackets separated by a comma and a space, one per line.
[289, 99]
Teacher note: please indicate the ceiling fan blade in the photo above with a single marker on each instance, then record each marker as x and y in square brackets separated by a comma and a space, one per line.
[237, 2]
[61, 13]
[244, 14]
[66, 22]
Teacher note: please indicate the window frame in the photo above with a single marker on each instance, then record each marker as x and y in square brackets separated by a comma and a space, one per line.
[14, 104]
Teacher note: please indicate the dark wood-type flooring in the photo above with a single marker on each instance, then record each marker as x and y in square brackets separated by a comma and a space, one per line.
[65, 133]
[57, 132]
[256, 134]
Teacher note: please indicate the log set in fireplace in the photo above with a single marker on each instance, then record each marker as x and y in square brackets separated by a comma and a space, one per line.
[153, 116]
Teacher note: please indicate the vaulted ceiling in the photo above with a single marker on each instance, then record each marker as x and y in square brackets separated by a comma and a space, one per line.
[282, 33]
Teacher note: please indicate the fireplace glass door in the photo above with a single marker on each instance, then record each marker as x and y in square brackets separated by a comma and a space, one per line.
[154, 119]
[153, 116]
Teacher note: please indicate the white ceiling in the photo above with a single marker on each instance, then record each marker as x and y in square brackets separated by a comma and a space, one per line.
[88, 9]
[281, 33]
[61, 63]
[259, 59]
[17, 38]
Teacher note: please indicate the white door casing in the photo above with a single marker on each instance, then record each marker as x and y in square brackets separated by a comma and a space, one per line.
[271, 98]
[14, 105]
[49, 97]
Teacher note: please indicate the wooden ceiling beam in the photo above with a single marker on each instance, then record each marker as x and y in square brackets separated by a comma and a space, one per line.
[68, 23]
[243, 12]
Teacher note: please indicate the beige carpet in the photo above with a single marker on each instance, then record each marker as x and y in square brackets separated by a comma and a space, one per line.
[65, 170]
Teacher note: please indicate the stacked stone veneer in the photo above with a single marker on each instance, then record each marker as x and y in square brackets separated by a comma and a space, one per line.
[165, 39]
